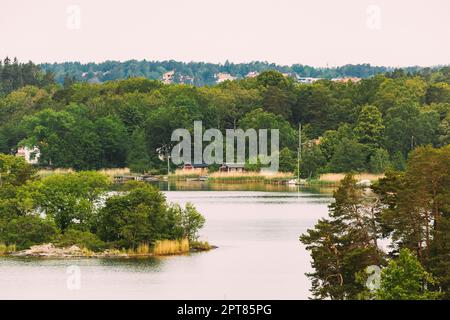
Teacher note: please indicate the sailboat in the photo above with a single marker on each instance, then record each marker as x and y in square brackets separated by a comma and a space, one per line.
[298, 181]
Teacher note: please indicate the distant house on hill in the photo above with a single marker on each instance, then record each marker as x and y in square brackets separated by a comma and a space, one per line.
[307, 80]
[232, 167]
[346, 79]
[221, 77]
[252, 74]
[31, 155]
[167, 77]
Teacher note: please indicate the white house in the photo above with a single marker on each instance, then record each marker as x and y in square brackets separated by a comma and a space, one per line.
[221, 77]
[31, 155]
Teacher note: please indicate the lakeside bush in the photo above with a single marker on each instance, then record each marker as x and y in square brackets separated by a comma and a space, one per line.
[82, 239]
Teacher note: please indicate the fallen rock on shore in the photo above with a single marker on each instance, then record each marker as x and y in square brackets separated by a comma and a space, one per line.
[49, 250]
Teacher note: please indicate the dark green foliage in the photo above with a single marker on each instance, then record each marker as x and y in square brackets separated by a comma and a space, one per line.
[404, 278]
[128, 122]
[287, 161]
[14, 75]
[349, 155]
[312, 162]
[24, 231]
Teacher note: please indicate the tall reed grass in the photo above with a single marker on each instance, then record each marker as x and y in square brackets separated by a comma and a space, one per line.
[167, 247]
[242, 177]
[46, 172]
[181, 174]
[337, 177]
[5, 248]
[115, 172]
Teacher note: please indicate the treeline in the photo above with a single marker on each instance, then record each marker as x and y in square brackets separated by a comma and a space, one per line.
[370, 125]
[75, 209]
[199, 73]
[14, 75]
[408, 210]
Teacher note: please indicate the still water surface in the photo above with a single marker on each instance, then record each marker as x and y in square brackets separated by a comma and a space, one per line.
[259, 255]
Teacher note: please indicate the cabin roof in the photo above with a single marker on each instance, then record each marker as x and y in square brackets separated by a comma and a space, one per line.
[234, 165]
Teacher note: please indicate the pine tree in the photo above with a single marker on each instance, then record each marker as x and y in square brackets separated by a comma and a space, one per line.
[344, 244]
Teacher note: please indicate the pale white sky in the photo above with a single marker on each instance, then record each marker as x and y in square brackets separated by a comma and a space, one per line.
[314, 32]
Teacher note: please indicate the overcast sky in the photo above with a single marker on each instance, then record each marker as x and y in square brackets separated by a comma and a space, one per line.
[314, 32]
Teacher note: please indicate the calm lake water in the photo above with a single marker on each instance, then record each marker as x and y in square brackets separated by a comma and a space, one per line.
[259, 254]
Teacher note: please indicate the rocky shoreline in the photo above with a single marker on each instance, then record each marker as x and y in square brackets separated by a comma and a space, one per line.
[48, 250]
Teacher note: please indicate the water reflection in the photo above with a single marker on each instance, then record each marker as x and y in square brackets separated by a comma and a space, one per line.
[216, 186]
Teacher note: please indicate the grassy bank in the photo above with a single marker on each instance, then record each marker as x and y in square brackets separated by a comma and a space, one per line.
[108, 172]
[181, 174]
[7, 249]
[334, 179]
[246, 177]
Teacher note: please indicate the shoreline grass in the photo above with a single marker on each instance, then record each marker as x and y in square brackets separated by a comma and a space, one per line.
[170, 247]
[334, 179]
[245, 177]
[7, 248]
[181, 174]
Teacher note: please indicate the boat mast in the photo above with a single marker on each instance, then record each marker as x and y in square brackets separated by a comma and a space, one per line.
[299, 150]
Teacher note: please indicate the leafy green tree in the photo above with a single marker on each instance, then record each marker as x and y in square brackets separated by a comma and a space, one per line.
[113, 140]
[369, 127]
[315, 102]
[69, 198]
[404, 278]
[140, 216]
[312, 162]
[438, 92]
[331, 138]
[83, 239]
[191, 221]
[287, 161]
[350, 155]
[379, 161]
[401, 91]
[15, 171]
[408, 127]
[398, 161]
[25, 231]
[139, 159]
[259, 119]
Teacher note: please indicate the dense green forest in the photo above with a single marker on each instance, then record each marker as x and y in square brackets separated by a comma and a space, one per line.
[369, 125]
[397, 123]
[199, 73]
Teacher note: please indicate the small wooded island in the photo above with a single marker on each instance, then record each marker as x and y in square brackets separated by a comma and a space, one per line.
[72, 215]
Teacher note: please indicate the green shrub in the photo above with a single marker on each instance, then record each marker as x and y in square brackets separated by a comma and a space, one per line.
[25, 231]
[83, 239]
